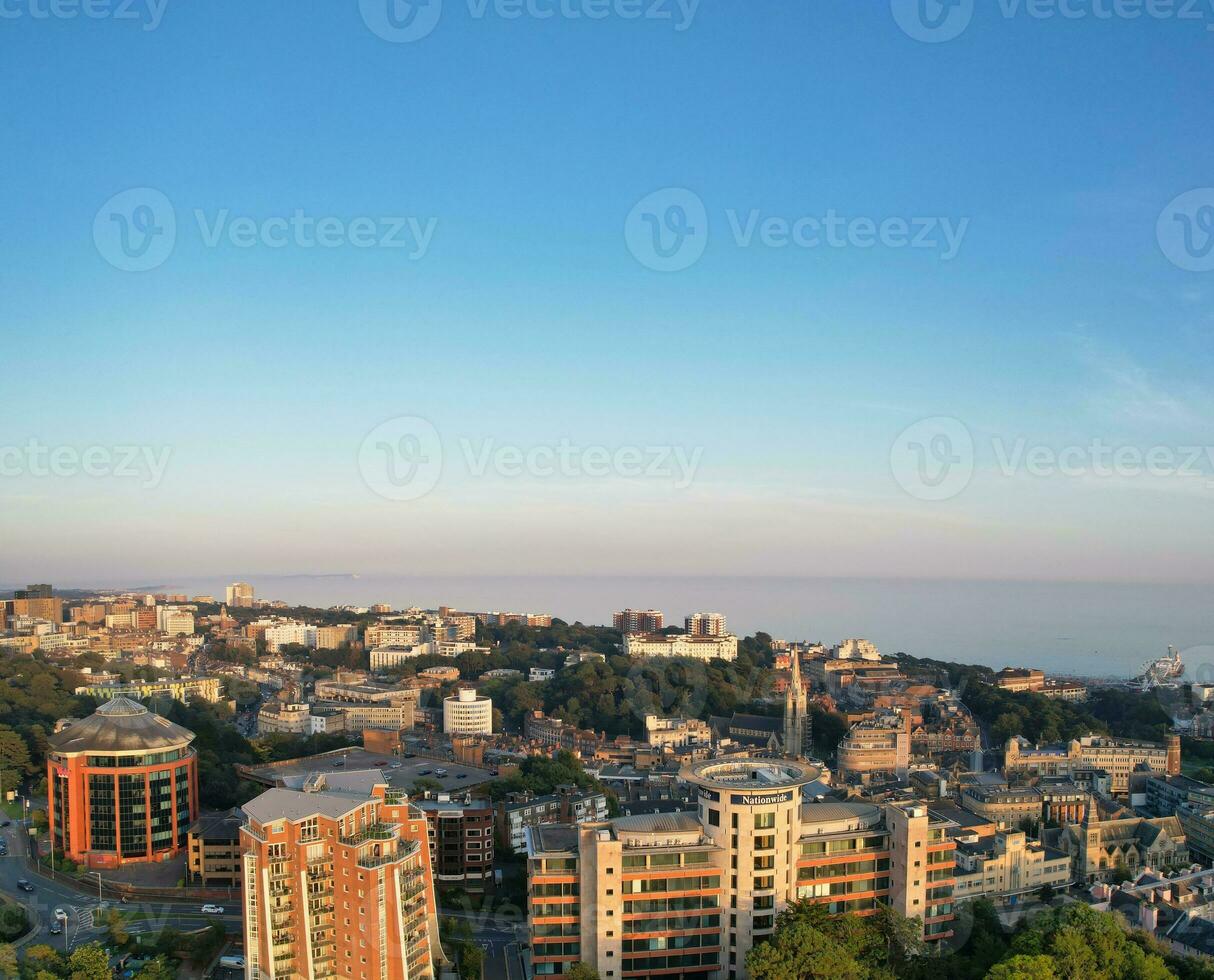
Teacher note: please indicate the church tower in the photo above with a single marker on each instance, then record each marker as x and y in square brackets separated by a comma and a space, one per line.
[796, 713]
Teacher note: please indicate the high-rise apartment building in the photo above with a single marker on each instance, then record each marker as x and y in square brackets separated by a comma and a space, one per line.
[639, 621]
[337, 883]
[689, 894]
[705, 624]
[240, 595]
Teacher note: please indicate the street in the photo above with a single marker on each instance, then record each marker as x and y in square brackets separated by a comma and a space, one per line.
[80, 902]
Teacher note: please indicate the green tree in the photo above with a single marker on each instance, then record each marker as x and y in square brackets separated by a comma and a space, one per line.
[44, 958]
[157, 969]
[89, 962]
[1025, 968]
[8, 960]
[581, 971]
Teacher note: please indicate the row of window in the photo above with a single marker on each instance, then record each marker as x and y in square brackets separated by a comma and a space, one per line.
[822, 889]
[672, 962]
[672, 924]
[684, 859]
[817, 848]
[845, 868]
[690, 903]
[692, 883]
[659, 943]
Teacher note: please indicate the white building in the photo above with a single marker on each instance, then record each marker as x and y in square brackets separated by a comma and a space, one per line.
[468, 713]
[856, 650]
[240, 595]
[282, 634]
[393, 635]
[540, 674]
[174, 621]
[681, 645]
[385, 657]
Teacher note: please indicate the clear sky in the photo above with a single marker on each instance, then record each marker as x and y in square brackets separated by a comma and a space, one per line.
[492, 190]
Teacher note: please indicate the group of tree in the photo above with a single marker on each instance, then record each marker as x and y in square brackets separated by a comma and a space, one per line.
[1108, 710]
[1068, 942]
[89, 962]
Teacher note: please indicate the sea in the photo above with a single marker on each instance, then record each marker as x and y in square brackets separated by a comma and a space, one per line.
[1079, 629]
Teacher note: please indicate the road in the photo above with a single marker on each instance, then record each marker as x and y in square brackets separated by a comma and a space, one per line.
[80, 902]
[499, 938]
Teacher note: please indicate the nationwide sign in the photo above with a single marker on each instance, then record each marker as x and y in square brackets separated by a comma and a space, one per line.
[746, 799]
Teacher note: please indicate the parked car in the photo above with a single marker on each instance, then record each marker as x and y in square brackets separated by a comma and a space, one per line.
[212, 910]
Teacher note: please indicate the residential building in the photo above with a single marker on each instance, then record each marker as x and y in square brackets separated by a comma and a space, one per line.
[1119, 757]
[855, 649]
[536, 674]
[876, 748]
[175, 622]
[339, 690]
[461, 840]
[337, 883]
[1020, 679]
[393, 635]
[676, 733]
[284, 634]
[386, 657]
[284, 718]
[183, 689]
[358, 715]
[567, 805]
[240, 595]
[690, 893]
[1007, 867]
[332, 637]
[467, 713]
[704, 624]
[213, 849]
[122, 786]
[638, 621]
[1065, 690]
[681, 645]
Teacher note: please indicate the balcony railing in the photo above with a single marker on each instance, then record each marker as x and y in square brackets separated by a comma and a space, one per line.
[375, 831]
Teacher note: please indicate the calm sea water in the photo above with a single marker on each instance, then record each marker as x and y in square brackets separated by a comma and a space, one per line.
[1090, 629]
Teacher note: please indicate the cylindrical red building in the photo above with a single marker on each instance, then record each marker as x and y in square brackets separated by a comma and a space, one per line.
[122, 786]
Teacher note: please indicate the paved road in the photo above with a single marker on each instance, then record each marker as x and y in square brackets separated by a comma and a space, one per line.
[80, 902]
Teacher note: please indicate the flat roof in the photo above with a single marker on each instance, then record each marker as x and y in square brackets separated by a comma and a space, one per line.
[357, 758]
[754, 774]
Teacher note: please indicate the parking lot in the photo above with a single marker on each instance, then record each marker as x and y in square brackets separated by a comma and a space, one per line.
[457, 777]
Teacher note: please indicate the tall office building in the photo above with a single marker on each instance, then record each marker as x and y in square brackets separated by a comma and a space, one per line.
[639, 621]
[337, 883]
[467, 713]
[240, 595]
[34, 592]
[689, 894]
[34, 601]
[705, 624]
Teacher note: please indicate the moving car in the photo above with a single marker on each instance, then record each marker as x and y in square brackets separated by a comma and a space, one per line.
[56, 929]
[232, 962]
[212, 909]
[24, 885]
[60, 914]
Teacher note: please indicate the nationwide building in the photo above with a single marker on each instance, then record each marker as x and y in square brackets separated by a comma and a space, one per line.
[337, 883]
[183, 689]
[638, 621]
[122, 786]
[467, 713]
[681, 645]
[689, 894]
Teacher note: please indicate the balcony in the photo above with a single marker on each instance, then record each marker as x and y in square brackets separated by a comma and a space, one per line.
[379, 860]
[375, 831]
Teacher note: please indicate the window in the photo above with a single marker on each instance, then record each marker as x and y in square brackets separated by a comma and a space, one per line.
[714, 817]
[765, 821]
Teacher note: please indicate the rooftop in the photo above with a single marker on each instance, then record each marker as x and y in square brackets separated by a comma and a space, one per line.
[750, 774]
[118, 726]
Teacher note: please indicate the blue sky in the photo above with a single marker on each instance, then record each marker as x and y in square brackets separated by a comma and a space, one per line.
[525, 144]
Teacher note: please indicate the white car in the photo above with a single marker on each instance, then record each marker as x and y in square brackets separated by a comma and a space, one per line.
[60, 914]
[212, 910]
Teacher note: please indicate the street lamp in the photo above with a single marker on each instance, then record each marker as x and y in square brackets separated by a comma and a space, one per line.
[99, 903]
